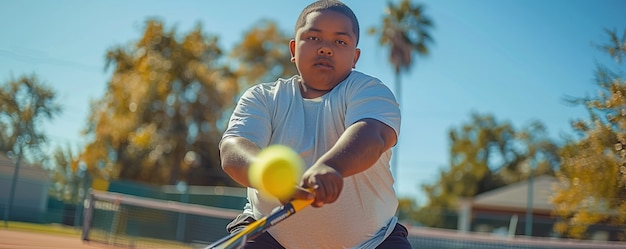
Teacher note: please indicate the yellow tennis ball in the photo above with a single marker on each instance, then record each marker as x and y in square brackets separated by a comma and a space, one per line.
[276, 171]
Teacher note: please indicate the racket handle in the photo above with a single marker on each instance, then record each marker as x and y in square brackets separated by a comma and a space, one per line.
[300, 204]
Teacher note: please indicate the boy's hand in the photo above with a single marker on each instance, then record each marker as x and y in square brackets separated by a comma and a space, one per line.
[324, 181]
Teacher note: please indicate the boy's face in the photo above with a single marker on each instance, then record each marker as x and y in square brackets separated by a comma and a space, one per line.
[324, 51]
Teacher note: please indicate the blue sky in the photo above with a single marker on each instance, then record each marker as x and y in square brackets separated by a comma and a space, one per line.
[513, 59]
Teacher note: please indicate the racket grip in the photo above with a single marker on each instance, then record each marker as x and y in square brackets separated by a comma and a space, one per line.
[300, 204]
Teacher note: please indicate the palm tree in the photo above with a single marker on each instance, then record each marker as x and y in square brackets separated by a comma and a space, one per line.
[405, 30]
[616, 48]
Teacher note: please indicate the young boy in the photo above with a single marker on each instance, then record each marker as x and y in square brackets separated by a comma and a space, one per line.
[342, 122]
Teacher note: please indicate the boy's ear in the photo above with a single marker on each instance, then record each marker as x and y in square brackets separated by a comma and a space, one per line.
[357, 54]
[292, 49]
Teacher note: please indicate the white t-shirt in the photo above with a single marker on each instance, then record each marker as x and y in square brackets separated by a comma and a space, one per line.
[274, 113]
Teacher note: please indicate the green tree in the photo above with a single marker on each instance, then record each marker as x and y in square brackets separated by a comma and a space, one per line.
[484, 155]
[406, 31]
[25, 104]
[592, 179]
[159, 119]
[67, 175]
[407, 208]
[263, 55]
[168, 101]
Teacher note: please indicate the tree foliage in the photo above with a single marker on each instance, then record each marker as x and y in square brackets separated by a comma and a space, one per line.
[263, 55]
[168, 99]
[406, 30]
[592, 179]
[158, 121]
[68, 176]
[25, 104]
[484, 155]
[407, 208]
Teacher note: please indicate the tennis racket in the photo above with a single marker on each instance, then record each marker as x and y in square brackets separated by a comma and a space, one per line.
[239, 239]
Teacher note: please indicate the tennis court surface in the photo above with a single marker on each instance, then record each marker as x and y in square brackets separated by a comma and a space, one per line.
[34, 240]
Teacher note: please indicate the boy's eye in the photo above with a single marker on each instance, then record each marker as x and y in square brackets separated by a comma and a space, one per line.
[312, 38]
[342, 42]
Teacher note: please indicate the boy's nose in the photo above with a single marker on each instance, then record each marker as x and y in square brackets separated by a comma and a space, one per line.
[325, 51]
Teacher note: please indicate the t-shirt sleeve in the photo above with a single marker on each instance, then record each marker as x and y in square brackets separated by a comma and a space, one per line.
[368, 97]
[250, 118]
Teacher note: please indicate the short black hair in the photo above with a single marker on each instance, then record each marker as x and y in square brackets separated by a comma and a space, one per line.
[333, 5]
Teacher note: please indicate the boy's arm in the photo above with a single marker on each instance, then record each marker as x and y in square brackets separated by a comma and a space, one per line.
[236, 154]
[358, 148]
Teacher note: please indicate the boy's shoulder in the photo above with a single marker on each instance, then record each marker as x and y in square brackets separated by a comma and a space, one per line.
[272, 84]
[281, 82]
[357, 78]
[270, 88]
[358, 75]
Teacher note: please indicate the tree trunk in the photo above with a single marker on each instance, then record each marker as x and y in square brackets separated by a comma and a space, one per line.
[394, 154]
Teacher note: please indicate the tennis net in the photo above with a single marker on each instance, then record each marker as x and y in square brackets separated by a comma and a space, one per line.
[139, 222]
[451, 239]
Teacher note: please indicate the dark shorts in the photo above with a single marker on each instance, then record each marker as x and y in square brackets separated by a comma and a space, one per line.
[396, 240]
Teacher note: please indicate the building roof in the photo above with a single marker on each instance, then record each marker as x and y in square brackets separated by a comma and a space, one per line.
[26, 170]
[515, 196]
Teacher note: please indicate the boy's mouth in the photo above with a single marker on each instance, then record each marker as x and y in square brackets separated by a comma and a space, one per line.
[323, 63]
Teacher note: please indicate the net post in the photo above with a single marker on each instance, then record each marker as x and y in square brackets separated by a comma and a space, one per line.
[87, 216]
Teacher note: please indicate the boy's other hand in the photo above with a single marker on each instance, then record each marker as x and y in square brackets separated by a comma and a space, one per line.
[324, 181]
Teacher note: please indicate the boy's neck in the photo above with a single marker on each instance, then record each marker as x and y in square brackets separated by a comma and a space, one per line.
[310, 93]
